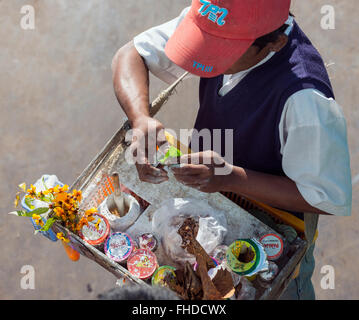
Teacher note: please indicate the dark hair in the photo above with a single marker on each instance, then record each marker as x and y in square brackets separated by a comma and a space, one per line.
[271, 37]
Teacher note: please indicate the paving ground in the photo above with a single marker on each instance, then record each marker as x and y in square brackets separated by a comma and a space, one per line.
[58, 110]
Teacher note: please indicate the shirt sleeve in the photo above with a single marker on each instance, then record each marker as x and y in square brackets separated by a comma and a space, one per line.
[151, 46]
[315, 151]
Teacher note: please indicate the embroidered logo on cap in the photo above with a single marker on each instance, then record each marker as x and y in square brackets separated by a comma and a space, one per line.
[204, 68]
[215, 13]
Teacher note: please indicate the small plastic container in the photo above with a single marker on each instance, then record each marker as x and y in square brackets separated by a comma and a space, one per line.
[159, 276]
[254, 250]
[233, 252]
[273, 246]
[219, 253]
[119, 246]
[147, 241]
[93, 235]
[142, 264]
[264, 279]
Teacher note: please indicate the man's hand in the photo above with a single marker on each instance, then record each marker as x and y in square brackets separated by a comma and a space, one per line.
[132, 93]
[148, 133]
[199, 171]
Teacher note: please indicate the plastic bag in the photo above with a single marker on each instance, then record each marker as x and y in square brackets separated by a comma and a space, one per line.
[170, 216]
[46, 181]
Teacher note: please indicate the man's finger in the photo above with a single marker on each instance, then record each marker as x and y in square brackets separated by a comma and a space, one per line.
[188, 179]
[190, 169]
[138, 152]
[153, 180]
[147, 169]
[192, 158]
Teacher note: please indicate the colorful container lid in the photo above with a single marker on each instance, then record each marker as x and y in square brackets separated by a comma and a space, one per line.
[147, 241]
[142, 263]
[237, 248]
[161, 273]
[219, 253]
[258, 256]
[95, 235]
[273, 245]
[119, 246]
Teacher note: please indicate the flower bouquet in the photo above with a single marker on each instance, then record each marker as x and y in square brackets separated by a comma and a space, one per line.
[52, 205]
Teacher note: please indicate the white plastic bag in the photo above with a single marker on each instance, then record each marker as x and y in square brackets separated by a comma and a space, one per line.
[170, 216]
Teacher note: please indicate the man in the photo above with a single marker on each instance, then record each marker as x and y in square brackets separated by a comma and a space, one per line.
[262, 78]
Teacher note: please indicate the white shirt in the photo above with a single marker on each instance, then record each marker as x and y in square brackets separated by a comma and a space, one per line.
[312, 129]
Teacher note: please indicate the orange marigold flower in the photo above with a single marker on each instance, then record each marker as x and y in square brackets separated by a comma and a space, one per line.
[62, 196]
[41, 194]
[31, 191]
[77, 194]
[61, 236]
[56, 189]
[46, 192]
[81, 223]
[58, 211]
[66, 206]
[17, 200]
[90, 211]
[37, 219]
[64, 188]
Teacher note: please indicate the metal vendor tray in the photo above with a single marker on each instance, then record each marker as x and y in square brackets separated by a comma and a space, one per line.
[241, 224]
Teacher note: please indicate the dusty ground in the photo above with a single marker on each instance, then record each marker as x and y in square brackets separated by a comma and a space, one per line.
[58, 110]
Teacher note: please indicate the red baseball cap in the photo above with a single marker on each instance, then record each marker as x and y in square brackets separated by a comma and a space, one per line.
[216, 33]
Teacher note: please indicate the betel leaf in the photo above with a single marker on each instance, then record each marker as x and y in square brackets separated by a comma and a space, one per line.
[28, 202]
[172, 152]
[48, 224]
[46, 199]
[21, 213]
[39, 211]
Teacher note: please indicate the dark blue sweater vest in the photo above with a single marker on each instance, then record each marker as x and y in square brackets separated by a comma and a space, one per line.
[254, 107]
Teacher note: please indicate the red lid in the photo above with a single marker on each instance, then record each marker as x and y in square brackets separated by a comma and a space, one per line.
[142, 263]
[273, 245]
